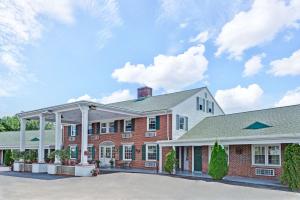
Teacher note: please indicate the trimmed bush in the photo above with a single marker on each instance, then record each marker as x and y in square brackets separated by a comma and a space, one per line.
[8, 160]
[291, 167]
[218, 165]
[170, 161]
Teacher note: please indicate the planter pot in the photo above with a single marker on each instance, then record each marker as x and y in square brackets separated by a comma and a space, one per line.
[28, 168]
[67, 170]
[52, 168]
[84, 170]
[39, 167]
[18, 166]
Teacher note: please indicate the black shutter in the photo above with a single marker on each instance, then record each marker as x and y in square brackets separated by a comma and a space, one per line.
[69, 131]
[144, 152]
[157, 152]
[98, 128]
[121, 152]
[122, 126]
[157, 121]
[93, 129]
[77, 129]
[116, 126]
[132, 124]
[133, 152]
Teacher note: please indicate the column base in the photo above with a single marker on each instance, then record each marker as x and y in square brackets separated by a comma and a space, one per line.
[39, 167]
[52, 168]
[84, 170]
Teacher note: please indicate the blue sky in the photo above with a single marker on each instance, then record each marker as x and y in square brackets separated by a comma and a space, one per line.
[53, 52]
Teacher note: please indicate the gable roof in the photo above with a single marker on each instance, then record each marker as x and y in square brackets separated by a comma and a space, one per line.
[11, 139]
[281, 121]
[156, 103]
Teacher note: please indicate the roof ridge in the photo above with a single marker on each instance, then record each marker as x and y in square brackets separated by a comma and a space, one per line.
[160, 95]
[249, 111]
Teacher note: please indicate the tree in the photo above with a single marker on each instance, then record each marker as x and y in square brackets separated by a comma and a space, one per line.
[291, 167]
[218, 165]
[170, 161]
[8, 160]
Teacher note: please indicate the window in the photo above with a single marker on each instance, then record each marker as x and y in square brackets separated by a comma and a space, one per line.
[151, 151]
[101, 152]
[226, 148]
[151, 123]
[267, 155]
[128, 125]
[210, 107]
[111, 127]
[181, 123]
[90, 150]
[103, 128]
[108, 152]
[73, 130]
[73, 152]
[127, 152]
[90, 129]
[113, 152]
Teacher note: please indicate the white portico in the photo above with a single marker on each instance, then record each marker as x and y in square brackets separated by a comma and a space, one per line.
[81, 112]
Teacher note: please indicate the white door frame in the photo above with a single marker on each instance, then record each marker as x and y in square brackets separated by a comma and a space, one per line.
[104, 161]
[185, 158]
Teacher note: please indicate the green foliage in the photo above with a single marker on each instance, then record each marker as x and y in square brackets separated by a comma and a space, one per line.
[170, 161]
[218, 165]
[63, 155]
[30, 156]
[8, 160]
[17, 155]
[12, 124]
[52, 155]
[291, 167]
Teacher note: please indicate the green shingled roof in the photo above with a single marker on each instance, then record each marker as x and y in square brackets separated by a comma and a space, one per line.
[155, 103]
[283, 120]
[12, 138]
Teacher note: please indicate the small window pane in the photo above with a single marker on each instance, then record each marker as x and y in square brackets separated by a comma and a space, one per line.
[102, 152]
[128, 152]
[73, 130]
[128, 125]
[181, 123]
[90, 129]
[151, 123]
[90, 156]
[103, 127]
[151, 152]
[73, 152]
[111, 127]
[273, 155]
[259, 155]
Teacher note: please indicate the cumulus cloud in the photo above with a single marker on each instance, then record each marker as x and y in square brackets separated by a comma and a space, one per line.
[120, 95]
[292, 97]
[239, 99]
[258, 25]
[200, 38]
[253, 65]
[22, 23]
[286, 66]
[167, 72]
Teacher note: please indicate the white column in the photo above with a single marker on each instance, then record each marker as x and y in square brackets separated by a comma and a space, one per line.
[84, 133]
[58, 136]
[192, 158]
[22, 133]
[160, 159]
[41, 141]
[174, 167]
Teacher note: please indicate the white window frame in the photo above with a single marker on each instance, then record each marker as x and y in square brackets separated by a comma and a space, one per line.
[148, 123]
[184, 122]
[147, 146]
[266, 155]
[125, 125]
[90, 153]
[106, 127]
[224, 146]
[127, 145]
[73, 130]
[90, 127]
[72, 146]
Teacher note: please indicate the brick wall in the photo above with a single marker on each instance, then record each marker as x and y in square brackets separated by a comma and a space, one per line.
[138, 139]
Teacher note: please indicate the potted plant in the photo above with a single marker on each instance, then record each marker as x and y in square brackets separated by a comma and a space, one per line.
[16, 157]
[112, 163]
[52, 167]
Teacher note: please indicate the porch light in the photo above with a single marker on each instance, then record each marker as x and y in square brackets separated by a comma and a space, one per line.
[92, 107]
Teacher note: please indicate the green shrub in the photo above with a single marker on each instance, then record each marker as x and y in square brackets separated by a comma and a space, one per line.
[8, 160]
[218, 165]
[291, 167]
[170, 161]
[30, 156]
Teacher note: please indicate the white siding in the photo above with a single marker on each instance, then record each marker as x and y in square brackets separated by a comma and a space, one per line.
[188, 108]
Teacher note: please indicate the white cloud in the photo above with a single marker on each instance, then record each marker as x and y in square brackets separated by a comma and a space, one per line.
[258, 25]
[292, 97]
[253, 65]
[286, 66]
[200, 38]
[183, 25]
[239, 99]
[120, 95]
[22, 23]
[167, 72]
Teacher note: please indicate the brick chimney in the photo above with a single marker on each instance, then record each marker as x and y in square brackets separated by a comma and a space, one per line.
[144, 92]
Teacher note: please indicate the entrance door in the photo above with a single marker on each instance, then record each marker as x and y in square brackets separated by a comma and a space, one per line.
[106, 154]
[186, 158]
[197, 159]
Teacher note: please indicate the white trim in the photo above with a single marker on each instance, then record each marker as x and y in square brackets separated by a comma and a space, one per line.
[123, 146]
[266, 146]
[73, 130]
[127, 119]
[148, 117]
[147, 145]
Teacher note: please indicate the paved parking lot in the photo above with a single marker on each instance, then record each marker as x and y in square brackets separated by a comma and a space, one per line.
[130, 186]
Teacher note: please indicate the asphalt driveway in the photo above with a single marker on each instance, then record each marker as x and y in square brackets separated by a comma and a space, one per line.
[130, 186]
